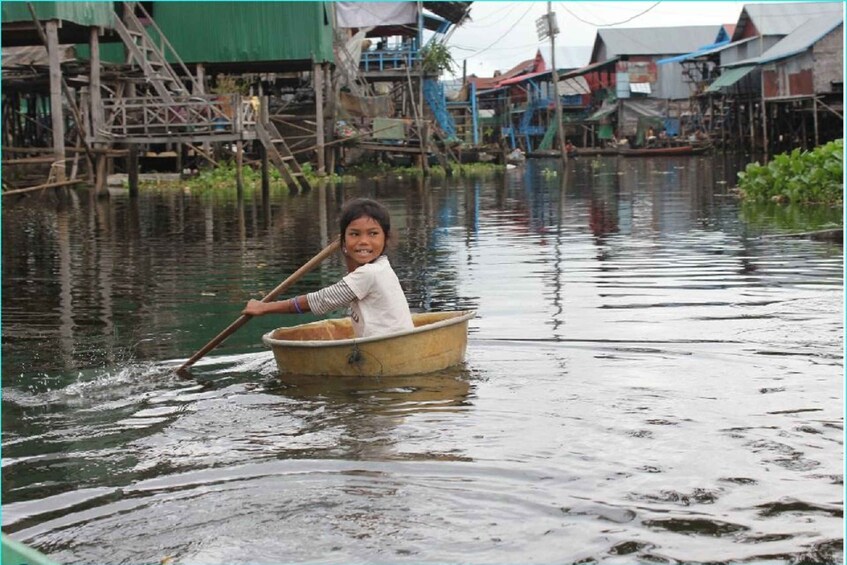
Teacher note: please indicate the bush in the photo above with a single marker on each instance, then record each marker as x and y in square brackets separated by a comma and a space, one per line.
[815, 176]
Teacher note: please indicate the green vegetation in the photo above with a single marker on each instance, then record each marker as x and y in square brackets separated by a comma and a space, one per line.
[469, 170]
[222, 177]
[800, 177]
[437, 59]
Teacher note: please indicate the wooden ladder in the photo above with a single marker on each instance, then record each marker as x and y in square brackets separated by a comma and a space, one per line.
[281, 155]
[442, 158]
[143, 51]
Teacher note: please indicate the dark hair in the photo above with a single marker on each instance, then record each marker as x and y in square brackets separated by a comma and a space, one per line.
[358, 207]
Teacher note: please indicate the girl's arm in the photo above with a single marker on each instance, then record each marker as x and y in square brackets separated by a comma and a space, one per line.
[296, 305]
[330, 298]
[325, 300]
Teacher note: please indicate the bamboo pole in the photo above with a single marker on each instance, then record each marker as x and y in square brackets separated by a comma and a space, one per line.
[42, 186]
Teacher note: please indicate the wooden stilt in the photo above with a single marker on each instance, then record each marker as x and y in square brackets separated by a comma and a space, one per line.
[94, 79]
[266, 176]
[263, 153]
[752, 125]
[132, 170]
[100, 177]
[317, 73]
[764, 130]
[239, 168]
[56, 114]
[329, 124]
[803, 133]
[815, 118]
[201, 79]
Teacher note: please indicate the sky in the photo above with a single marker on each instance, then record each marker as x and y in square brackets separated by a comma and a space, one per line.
[502, 34]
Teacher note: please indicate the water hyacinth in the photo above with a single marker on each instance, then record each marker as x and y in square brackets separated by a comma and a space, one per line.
[815, 176]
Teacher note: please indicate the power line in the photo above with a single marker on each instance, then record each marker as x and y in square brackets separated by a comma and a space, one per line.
[509, 7]
[638, 15]
[510, 48]
[531, 6]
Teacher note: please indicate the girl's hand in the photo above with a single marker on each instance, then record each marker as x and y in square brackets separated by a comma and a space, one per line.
[255, 308]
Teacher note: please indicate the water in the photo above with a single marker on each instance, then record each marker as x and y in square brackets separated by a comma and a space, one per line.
[655, 374]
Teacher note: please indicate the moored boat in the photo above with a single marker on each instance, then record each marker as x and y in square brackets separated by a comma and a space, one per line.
[665, 151]
[328, 347]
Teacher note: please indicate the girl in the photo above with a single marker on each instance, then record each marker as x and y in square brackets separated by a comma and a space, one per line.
[371, 289]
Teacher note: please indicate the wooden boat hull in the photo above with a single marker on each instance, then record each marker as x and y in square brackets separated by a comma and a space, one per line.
[439, 340]
[665, 151]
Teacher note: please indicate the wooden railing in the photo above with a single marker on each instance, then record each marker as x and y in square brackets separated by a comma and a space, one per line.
[188, 116]
[389, 59]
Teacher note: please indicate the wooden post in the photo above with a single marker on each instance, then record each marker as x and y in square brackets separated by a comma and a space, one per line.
[178, 148]
[815, 118]
[239, 168]
[329, 122]
[94, 81]
[424, 146]
[96, 113]
[334, 153]
[739, 120]
[317, 73]
[58, 120]
[132, 170]
[752, 124]
[201, 79]
[100, 177]
[263, 151]
[803, 132]
[764, 129]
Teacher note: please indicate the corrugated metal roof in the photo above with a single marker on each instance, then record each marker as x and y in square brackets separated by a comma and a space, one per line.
[454, 12]
[588, 68]
[802, 38]
[704, 52]
[656, 40]
[730, 77]
[783, 17]
[797, 41]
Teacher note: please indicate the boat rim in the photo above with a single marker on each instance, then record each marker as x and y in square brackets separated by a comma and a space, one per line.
[464, 316]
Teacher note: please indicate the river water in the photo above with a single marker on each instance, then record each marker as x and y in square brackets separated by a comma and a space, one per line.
[655, 374]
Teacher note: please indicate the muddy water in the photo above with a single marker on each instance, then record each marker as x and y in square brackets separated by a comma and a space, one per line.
[655, 374]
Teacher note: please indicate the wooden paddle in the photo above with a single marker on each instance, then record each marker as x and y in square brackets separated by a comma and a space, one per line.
[283, 286]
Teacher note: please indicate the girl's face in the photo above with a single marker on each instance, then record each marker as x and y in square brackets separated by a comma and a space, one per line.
[364, 241]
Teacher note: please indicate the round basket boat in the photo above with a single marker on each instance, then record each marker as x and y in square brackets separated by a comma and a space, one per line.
[438, 341]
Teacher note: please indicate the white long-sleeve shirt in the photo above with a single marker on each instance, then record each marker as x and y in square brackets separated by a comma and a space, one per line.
[378, 305]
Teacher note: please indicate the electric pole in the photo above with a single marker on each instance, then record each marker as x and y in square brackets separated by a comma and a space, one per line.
[553, 29]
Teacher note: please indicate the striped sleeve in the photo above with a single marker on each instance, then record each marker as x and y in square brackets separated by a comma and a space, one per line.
[330, 298]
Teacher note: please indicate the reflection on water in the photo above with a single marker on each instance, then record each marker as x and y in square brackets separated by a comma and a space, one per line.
[654, 375]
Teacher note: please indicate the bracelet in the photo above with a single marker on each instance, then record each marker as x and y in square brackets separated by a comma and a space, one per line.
[296, 306]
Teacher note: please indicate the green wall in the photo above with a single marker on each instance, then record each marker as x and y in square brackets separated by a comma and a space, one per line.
[82, 13]
[222, 32]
